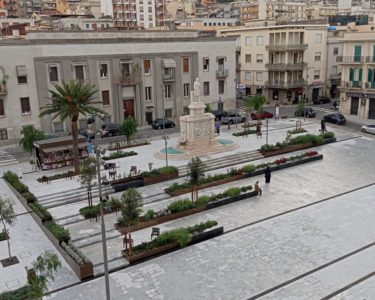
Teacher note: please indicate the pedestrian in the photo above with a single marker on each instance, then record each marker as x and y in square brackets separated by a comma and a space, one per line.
[267, 173]
[323, 125]
[258, 189]
[218, 128]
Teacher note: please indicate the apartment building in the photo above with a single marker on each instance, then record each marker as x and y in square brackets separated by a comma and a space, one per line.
[14, 21]
[318, 11]
[127, 67]
[284, 62]
[12, 7]
[85, 9]
[358, 72]
[82, 23]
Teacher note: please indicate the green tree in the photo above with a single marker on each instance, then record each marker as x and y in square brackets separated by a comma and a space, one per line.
[69, 101]
[195, 174]
[7, 217]
[129, 128]
[208, 109]
[255, 103]
[300, 108]
[44, 266]
[132, 203]
[87, 175]
[30, 135]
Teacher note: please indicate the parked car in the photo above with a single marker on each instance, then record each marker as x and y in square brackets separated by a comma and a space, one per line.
[158, 124]
[310, 113]
[335, 118]
[111, 129]
[239, 96]
[264, 115]
[368, 128]
[51, 135]
[321, 99]
[84, 133]
[232, 119]
[219, 114]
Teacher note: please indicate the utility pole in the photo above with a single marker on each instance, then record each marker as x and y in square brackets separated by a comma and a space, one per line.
[164, 137]
[235, 98]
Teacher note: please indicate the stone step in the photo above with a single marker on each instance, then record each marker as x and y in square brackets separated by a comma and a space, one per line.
[114, 264]
[70, 220]
[65, 193]
[96, 238]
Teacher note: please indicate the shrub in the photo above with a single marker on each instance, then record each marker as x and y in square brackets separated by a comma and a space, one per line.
[234, 191]
[249, 188]
[328, 135]
[244, 189]
[201, 226]
[239, 171]
[318, 140]
[30, 196]
[20, 293]
[58, 231]
[220, 196]
[248, 168]
[122, 221]
[87, 209]
[3, 236]
[121, 154]
[14, 181]
[75, 253]
[203, 200]
[302, 139]
[295, 131]
[241, 133]
[213, 198]
[181, 205]
[163, 170]
[40, 210]
[149, 215]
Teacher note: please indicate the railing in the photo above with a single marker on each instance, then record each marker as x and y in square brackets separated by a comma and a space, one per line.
[350, 59]
[287, 47]
[168, 77]
[238, 65]
[238, 48]
[222, 73]
[297, 83]
[370, 85]
[128, 80]
[335, 76]
[370, 59]
[286, 66]
[352, 84]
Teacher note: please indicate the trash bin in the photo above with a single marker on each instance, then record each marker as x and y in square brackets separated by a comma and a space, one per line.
[19, 173]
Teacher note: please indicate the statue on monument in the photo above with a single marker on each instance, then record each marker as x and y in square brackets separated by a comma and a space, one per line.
[197, 91]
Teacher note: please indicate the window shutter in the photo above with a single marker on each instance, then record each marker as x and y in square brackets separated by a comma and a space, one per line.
[146, 64]
[103, 68]
[25, 104]
[2, 108]
[105, 96]
[351, 74]
[360, 74]
[373, 55]
[369, 77]
[186, 65]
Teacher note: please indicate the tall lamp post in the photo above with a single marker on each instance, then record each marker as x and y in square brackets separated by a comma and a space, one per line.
[164, 137]
[235, 98]
[99, 151]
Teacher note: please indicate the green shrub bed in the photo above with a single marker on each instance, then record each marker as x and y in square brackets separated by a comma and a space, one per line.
[40, 210]
[55, 177]
[87, 209]
[75, 253]
[121, 154]
[14, 181]
[295, 131]
[58, 231]
[3, 235]
[18, 294]
[159, 171]
[241, 133]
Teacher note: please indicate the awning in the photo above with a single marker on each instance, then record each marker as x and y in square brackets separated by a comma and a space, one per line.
[21, 71]
[169, 63]
[80, 145]
[54, 149]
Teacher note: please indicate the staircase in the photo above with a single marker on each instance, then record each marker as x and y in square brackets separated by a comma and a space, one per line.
[6, 158]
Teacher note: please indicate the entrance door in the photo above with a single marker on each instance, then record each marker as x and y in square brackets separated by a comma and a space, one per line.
[149, 118]
[355, 105]
[315, 94]
[371, 112]
[128, 108]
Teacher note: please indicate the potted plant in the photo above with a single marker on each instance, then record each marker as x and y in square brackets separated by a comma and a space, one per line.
[4, 82]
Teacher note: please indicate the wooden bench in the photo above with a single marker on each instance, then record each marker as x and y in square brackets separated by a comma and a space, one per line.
[112, 166]
[70, 175]
[155, 231]
[259, 131]
[284, 117]
[125, 242]
[112, 174]
[95, 215]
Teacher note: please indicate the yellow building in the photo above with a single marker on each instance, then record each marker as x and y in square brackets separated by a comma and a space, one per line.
[62, 6]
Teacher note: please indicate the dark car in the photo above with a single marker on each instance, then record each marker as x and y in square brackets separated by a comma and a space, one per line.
[84, 133]
[111, 129]
[219, 114]
[335, 118]
[321, 99]
[158, 124]
[239, 96]
[51, 135]
[310, 113]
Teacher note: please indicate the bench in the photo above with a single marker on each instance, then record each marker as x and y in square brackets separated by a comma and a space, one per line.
[155, 231]
[46, 179]
[284, 117]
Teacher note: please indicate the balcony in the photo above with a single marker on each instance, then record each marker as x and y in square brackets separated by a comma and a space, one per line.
[370, 59]
[3, 91]
[370, 85]
[159, 4]
[238, 65]
[335, 76]
[168, 77]
[290, 66]
[238, 48]
[128, 80]
[287, 47]
[351, 84]
[222, 73]
[159, 13]
[286, 85]
[350, 59]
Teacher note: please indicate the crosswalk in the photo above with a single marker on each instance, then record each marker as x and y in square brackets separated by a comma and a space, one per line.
[326, 110]
[6, 158]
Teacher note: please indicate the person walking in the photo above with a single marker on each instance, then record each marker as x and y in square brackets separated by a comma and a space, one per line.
[323, 125]
[267, 174]
[258, 189]
[218, 128]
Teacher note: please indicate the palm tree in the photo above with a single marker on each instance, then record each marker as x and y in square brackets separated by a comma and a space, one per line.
[68, 101]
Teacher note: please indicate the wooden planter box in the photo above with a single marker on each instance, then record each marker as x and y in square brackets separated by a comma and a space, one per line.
[133, 258]
[205, 186]
[287, 149]
[126, 147]
[124, 180]
[88, 216]
[161, 177]
[160, 220]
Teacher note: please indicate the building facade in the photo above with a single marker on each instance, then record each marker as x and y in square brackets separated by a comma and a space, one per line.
[283, 62]
[12, 7]
[82, 23]
[128, 69]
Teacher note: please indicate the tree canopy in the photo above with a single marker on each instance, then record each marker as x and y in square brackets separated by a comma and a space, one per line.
[30, 135]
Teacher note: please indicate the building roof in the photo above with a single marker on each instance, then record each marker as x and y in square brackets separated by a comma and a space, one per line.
[272, 26]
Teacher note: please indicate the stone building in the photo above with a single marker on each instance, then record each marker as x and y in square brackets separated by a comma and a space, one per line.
[134, 73]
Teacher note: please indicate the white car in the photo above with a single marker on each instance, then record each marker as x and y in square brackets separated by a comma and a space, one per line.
[368, 128]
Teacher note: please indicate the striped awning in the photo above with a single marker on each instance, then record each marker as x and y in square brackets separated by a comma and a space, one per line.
[168, 63]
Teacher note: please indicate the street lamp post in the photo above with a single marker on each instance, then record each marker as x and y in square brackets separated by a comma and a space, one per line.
[164, 137]
[235, 98]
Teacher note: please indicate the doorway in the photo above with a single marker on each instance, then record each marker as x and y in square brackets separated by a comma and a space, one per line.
[354, 106]
[315, 93]
[149, 118]
[128, 108]
[371, 112]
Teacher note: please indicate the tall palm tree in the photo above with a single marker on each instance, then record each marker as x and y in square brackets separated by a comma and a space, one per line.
[68, 101]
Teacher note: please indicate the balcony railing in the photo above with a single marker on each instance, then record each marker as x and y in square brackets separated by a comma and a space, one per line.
[352, 84]
[222, 73]
[128, 80]
[370, 59]
[238, 65]
[286, 85]
[335, 76]
[370, 85]
[2, 90]
[286, 47]
[168, 77]
[350, 59]
[286, 66]
[238, 48]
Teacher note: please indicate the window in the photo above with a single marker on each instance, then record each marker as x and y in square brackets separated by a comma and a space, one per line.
[79, 72]
[148, 93]
[317, 74]
[92, 26]
[58, 127]
[167, 92]
[248, 41]
[147, 66]
[318, 38]
[334, 70]
[186, 89]
[219, 24]
[317, 56]
[150, 18]
[2, 111]
[204, 24]
[22, 79]
[21, 74]
[53, 77]
[248, 58]
[149, 1]
[150, 25]
[150, 9]
[141, 10]
[107, 25]
[25, 105]
[88, 26]
[259, 76]
[103, 71]
[3, 134]
[102, 25]
[72, 26]
[142, 24]
[259, 40]
[335, 51]
[206, 64]
[168, 113]
[259, 58]
[221, 86]
[206, 88]
[186, 65]
[210, 24]
[247, 75]
[105, 97]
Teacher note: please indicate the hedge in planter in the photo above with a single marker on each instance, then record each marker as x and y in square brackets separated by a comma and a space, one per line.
[121, 154]
[58, 231]
[18, 294]
[241, 133]
[295, 131]
[159, 171]
[75, 253]
[55, 177]
[40, 210]
[14, 181]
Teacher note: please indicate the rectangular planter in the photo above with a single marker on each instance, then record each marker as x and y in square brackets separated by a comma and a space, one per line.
[88, 216]
[226, 201]
[206, 185]
[287, 149]
[119, 187]
[330, 140]
[131, 146]
[160, 220]
[125, 180]
[161, 177]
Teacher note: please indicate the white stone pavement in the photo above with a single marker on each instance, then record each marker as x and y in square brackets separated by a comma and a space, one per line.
[362, 291]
